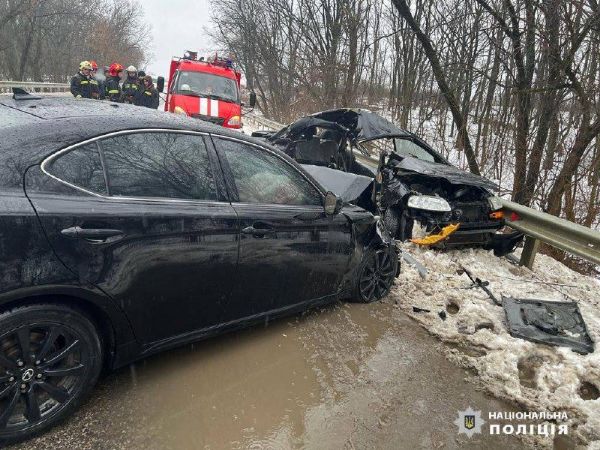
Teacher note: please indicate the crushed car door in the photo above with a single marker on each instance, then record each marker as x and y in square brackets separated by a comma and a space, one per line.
[141, 216]
[290, 251]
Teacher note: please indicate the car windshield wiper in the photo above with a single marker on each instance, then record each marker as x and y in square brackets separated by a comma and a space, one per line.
[211, 96]
[218, 97]
[191, 93]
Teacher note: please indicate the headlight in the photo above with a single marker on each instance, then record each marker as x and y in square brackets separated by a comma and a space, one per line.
[179, 110]
[495, 203]
[428, 202]
[234, 121]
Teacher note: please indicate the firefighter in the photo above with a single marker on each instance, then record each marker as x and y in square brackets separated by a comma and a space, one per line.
[131, 86]
[149, 96]
[112, 88]
[80, 83]
[94, 83]
[141, 75]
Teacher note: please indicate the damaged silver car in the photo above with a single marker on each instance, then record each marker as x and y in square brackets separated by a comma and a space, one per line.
[414, 188]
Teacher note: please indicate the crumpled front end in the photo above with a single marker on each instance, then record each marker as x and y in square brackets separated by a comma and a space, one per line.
[425, 204]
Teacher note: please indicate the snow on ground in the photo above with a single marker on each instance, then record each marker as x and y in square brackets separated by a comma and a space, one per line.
[538, 377]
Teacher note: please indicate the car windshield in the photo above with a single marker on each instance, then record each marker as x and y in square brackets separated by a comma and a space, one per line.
[207, 85]
[405, 147]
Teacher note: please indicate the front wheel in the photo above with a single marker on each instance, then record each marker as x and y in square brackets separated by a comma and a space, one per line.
[50, 358]
[376, 275]
[397, 223]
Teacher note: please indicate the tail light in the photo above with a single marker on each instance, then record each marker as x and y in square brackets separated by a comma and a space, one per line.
[497, 215]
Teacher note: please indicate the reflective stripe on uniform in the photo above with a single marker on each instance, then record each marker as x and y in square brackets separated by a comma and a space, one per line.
[113, 91]
[94, 82]
[84, 82]
[148, 92]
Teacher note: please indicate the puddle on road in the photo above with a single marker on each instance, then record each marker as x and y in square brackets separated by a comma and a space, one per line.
[348, 375]
[252, 389]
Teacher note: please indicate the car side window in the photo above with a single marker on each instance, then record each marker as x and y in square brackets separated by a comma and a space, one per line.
[160, 165]
[81, 167]
[405, 147]
[261, 177]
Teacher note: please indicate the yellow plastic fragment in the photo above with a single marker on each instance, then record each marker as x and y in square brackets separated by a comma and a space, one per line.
[435, 238]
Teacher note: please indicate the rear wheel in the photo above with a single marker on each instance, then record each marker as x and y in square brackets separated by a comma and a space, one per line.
[376, 275]
[50, 358]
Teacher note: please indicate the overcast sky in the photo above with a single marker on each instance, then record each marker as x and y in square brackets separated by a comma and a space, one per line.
[177, 25]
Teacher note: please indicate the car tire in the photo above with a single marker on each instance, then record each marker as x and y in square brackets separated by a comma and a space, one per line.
[375, 275]
[397, 224]
[50, 359]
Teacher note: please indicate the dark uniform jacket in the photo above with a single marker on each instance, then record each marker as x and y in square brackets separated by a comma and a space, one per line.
[95, 88]
[112, 89]
[80, 86]
[131, 90]
[148, 98]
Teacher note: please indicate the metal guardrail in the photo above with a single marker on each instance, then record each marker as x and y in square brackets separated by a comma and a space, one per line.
[261, 122]
[536, 225]
[6, 87]
[560, 233]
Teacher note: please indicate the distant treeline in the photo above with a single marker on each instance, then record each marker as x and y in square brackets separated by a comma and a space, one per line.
[45, 40]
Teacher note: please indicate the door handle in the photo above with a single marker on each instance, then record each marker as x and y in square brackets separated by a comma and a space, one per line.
[259, 231]
[92, 234]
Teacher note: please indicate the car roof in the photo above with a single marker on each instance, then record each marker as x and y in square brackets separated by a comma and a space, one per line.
[34, 128]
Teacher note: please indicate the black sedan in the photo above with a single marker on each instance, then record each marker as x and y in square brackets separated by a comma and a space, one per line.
[124, 232]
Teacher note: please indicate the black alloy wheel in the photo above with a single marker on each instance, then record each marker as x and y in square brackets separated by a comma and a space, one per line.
[50, 357]
[376, 274]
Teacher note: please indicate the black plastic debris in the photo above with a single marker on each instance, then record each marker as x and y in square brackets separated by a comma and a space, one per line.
[418, 310]
[548, 322]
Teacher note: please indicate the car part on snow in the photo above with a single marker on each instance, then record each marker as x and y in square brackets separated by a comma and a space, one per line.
[504, 244]
[548, 322]
[418, 310]
[438, 237]
[410, 259]
[482, 284]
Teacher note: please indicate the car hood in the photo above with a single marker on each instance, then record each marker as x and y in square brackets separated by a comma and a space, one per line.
[361, 124]
[347, 186]
[449, 173]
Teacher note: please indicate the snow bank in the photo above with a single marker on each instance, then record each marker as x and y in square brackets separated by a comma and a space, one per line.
[536, 376]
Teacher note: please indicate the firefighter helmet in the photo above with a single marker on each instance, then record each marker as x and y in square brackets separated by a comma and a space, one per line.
[83, 65]
[131, 69]
[94, 65]
[114, 69]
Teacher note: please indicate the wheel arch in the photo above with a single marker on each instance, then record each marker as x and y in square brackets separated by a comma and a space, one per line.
[111, 322]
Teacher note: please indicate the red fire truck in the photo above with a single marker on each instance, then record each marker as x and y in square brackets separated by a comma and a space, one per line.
[207, 89]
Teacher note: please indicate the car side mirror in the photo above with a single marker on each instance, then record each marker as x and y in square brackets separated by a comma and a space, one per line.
[160, 84]
[332, 204]
[252, 99]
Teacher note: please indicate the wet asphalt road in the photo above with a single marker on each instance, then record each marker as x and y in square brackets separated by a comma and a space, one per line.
[343, 377]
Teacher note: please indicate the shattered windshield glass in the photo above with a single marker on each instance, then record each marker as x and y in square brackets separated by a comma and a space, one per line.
[404, 147]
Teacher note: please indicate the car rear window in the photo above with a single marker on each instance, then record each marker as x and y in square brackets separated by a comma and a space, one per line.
[81, 167]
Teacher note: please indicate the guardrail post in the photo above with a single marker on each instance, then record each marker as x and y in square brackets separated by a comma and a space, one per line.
[529, 250]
